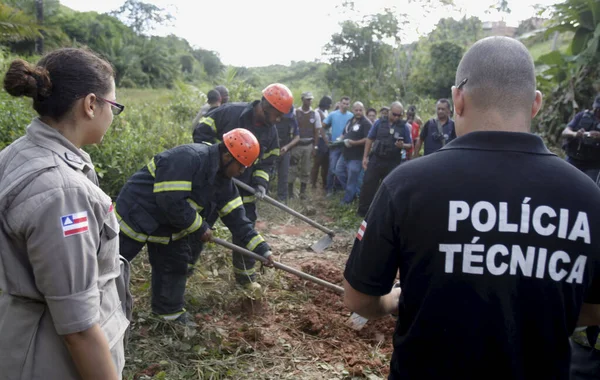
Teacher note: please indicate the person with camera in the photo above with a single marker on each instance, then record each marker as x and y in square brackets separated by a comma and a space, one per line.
[436, 132]
[582, 146]
[389, 137]
[582, 141]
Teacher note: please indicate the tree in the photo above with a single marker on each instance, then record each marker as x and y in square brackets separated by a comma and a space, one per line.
[39, 15]
[15, 25]
[210, 61]
[142, 17]
[362, 58]
[439, 71]
[464, 32]
[437, 55]
[572, 79]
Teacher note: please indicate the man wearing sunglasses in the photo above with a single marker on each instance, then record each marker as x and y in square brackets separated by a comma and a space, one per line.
[388, 137]
[259, 117]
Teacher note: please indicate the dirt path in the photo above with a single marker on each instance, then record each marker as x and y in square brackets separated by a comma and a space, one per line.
[298, 330]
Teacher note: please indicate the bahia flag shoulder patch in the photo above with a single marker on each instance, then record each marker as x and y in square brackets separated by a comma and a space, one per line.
[74, 224]
[361, 230]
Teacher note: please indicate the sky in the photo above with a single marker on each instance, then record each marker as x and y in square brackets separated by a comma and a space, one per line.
[265, 32]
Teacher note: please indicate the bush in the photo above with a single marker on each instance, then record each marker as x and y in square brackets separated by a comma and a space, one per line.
[135, 136]
[15, 115]
[141, 132]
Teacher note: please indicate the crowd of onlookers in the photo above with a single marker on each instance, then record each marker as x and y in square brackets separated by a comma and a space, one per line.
[340, 148]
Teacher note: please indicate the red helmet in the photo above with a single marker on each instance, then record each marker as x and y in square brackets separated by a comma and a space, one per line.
[242, 145]
[279, 96]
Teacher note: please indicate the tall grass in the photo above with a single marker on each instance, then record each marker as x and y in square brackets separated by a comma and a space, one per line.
[153, 121]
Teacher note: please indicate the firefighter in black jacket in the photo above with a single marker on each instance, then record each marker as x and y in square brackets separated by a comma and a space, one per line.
[259, 117]
[166, 205]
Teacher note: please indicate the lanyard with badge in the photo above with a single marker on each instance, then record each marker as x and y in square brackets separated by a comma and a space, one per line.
[440, 129]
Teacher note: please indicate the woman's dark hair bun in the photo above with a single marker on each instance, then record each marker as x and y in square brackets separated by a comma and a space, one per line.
[25, 79]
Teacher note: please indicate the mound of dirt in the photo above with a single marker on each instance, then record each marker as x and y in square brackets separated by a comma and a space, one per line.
[252, 307]
[290, 230]
[327, 318]
[323, 270]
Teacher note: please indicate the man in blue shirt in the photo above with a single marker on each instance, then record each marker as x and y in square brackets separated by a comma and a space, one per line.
[336, 122]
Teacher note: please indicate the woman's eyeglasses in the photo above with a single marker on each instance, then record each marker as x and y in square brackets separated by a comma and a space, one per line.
[115, 107]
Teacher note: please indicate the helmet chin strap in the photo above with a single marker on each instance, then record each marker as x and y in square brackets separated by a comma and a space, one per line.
[265, 106]
[225, 165]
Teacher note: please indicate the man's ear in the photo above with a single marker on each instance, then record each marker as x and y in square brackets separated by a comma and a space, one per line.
[537, 104]
[458, 98]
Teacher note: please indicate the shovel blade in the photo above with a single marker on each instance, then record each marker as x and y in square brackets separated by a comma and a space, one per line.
[356, 322]
[322, 244]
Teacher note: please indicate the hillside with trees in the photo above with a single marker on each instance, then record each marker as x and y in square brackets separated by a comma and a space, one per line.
[300, 331]
[366, 60]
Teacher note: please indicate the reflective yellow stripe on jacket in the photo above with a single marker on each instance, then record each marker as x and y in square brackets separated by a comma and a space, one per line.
[273, 152]
[193, 228]
[210, 122]
[160, 187]
[194, 205]
[262, 174]
[247, 272]
[254, 242]
[152, 168]
[137, 236]
[230, 206]
[249, 199]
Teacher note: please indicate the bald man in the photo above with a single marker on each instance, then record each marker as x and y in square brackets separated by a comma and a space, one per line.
[388, 137]
[496, 240]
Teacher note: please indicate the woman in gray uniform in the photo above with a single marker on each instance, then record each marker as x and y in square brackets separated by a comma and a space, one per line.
[64, 296]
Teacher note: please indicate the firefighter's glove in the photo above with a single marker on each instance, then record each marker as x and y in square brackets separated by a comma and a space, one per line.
[260, 192]
[269, 256]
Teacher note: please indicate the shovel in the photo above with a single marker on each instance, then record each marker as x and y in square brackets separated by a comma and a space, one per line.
[306, 276]
[355, 321]
[322, 244]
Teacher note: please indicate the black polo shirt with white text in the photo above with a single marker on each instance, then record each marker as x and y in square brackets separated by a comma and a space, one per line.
[497, 241]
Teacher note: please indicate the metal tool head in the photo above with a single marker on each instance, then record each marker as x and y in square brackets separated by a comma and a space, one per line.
[322, 244]
[356, 322]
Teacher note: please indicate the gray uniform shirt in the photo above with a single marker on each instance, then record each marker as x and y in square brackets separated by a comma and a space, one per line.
[60, 271]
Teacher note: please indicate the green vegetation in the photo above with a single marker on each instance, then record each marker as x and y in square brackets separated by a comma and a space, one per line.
[543, 47]
[157, 121]
[367, 62]
[570, 79]
[162, 81]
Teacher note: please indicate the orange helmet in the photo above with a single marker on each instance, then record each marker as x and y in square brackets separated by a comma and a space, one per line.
[279, 96]
[242, 145]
